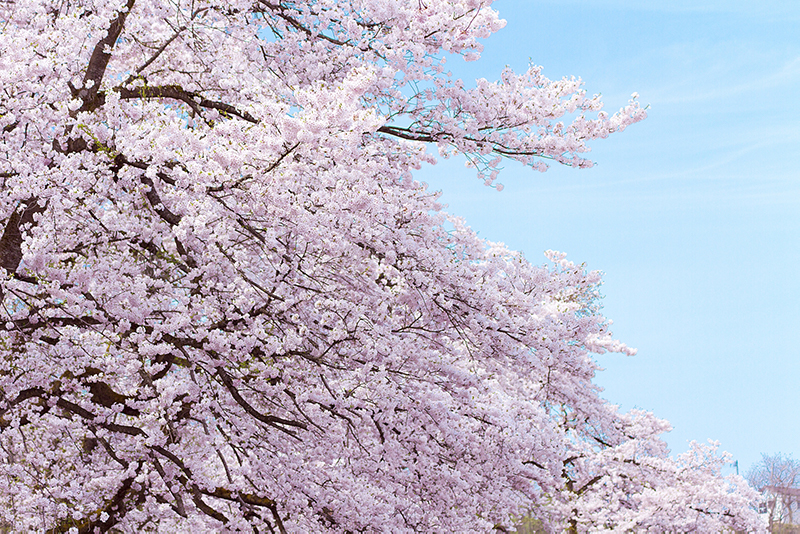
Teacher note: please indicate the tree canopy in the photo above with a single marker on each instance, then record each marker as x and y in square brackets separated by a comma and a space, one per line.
[229, 306]
[777, 477]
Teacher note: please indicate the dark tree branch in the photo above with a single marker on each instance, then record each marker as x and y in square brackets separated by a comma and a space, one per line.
[280, 11]
[589, 484]
[247, 498]
[115, 509]
[435, 137]
[197, 497]
[271, 420]
[192, 99]
[11, 240]
[155, 201]
[164, 46]
[409, 135]
[179, 507]
[23, 395]
[98, 63]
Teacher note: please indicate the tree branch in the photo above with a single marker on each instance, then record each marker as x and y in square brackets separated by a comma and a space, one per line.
[275, 422]
[11, 241]
[280, 11]
[101, 55]
[164, 46]
[191, 98]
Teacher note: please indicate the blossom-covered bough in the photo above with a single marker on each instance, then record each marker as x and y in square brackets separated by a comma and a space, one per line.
[227, 305]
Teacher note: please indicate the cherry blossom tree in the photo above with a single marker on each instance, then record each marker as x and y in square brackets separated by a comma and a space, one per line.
[777, 477]
[228, 306]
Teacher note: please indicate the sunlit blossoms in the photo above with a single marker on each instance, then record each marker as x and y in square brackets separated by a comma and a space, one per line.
[228, 306]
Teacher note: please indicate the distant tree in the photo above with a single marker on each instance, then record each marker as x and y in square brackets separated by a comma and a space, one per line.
[777, 477]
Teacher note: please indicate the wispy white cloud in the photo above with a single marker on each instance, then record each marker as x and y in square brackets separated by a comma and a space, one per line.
[726, 76]
[765, 10]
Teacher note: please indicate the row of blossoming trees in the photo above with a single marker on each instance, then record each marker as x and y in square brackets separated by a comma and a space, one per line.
[227, 305]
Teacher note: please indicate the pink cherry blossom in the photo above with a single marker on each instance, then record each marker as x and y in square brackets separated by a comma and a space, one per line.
[228, 305]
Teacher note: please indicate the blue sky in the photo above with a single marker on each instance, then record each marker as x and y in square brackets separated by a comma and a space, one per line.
[693, 214]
